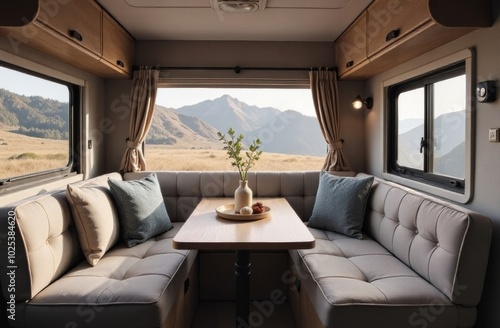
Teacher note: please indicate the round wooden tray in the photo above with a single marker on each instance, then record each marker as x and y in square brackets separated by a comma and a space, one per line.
[227, 212]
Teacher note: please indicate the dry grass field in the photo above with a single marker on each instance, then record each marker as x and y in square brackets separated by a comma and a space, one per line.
[162, 158]
[22, 155]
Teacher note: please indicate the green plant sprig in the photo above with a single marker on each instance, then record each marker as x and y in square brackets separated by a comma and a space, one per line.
[233, 145]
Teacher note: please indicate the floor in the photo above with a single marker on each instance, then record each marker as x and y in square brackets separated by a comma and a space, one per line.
[263, 314]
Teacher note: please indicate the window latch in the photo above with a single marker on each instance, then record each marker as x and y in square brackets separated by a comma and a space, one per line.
[422, 144]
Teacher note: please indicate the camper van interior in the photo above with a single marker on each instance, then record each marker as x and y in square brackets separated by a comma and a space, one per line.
[249, 163]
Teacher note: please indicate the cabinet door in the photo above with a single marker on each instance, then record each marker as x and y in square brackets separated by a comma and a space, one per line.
[118, 45]
[79, 21]
[350, 48]
[390, 20]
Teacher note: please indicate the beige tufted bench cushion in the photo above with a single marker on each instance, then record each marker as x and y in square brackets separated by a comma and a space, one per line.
[129, 287]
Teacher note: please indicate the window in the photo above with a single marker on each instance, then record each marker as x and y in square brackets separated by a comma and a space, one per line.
[428, 134]
[36, 130]
[183, 134]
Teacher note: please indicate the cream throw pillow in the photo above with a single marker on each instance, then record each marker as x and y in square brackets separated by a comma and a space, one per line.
[96, 219]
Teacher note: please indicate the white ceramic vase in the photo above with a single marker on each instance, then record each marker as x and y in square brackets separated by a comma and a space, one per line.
[242, 196]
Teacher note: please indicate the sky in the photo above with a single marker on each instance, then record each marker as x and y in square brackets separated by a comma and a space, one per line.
[448, 94]
[299, 100]
[27, 85]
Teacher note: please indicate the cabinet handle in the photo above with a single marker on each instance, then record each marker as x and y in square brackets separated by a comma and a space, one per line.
[120, 63]
[349, 64]
[75, 35]
[392, 35]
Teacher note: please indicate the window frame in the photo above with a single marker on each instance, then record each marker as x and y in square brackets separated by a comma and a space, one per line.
[425, 175]
[459, 190]
[16, 183]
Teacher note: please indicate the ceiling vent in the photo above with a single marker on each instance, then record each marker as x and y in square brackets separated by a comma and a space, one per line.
[238, 6]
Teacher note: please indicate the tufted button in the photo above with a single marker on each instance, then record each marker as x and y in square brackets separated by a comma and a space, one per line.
[437, 245]
[416, 231]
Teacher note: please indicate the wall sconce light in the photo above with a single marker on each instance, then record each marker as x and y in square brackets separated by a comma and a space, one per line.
[358, 102]
[486, 91]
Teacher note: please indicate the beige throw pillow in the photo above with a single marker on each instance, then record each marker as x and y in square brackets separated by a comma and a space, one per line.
[96, 219]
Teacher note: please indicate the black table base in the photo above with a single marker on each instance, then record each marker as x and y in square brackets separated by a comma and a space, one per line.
[242, 272]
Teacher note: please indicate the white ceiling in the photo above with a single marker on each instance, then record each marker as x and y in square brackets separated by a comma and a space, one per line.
[282, 20]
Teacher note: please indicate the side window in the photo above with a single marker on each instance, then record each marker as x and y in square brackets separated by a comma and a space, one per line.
[183, 134]
[36, 127]
[427, 128]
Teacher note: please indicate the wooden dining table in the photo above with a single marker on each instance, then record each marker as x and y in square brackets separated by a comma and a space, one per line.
[282, 229]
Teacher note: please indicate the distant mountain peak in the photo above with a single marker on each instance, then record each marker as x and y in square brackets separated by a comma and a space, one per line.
[232, 102]
[226, 111]
[229, 99]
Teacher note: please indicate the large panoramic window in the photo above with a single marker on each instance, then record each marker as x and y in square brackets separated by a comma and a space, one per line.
[427, 129]
[183, 134]
[35, 126]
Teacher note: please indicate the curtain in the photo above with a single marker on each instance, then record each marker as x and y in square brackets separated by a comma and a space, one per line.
[142, 103]
[326, 102]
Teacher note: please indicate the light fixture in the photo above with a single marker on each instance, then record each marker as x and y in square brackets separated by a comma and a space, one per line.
[238, 6]
[358, 102]
[486, 91]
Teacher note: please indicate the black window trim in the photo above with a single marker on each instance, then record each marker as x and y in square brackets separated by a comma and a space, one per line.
[16, 183]
[423, 176]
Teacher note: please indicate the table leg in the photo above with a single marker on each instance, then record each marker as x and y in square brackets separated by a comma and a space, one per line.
[242, 272]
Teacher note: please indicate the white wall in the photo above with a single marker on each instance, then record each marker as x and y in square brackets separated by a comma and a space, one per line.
[487, 158]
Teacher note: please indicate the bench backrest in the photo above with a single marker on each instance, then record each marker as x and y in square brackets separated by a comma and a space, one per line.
[182, 191]
[46, 241]
[446, 244]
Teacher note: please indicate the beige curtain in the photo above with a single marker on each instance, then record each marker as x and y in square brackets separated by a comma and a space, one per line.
[142, 103]
[326, 102]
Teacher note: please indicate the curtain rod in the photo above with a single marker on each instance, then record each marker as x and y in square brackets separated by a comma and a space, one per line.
[238, 69]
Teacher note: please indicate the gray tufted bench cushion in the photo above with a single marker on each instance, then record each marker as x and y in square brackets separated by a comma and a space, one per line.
[348, 278]
[421, 263]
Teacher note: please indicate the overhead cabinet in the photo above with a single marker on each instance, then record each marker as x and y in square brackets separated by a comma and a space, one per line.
[399, 30]
[79, 33]
[117, 45]
[78, 21]
[388, 23]
[350, 48]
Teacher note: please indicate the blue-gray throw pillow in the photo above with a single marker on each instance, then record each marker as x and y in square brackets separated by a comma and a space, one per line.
[340, 204]
[141, 209]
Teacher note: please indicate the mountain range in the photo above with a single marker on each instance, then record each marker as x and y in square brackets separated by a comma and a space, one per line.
[449, 145]
[288, 132]
[34, 116]
[227, 112]
[193, 126]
